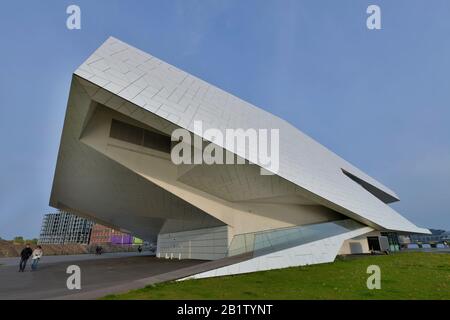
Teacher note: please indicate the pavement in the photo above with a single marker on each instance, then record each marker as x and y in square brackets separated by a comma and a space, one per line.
[14, 261]
[100, 275]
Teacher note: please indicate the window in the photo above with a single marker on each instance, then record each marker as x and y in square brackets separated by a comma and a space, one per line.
[380, 194]
[126, 132]
[156, 141]
[139, 136]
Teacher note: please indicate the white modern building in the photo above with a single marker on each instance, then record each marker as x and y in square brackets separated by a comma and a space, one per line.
[114, 166]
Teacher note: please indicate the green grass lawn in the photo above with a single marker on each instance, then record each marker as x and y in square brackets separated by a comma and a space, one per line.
[403, 276]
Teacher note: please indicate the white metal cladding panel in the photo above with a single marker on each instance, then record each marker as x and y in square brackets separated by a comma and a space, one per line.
[321, 251]
[182, 98]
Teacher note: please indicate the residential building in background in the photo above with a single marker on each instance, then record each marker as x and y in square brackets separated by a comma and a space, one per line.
[437, 239]
[436, 236]
[64, 228]
[104, 235]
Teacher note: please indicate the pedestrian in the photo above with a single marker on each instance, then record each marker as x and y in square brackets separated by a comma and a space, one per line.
[140, 249]
[37, 255]
[24, 256]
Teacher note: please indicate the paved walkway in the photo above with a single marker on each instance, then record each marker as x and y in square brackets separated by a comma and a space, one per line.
[177, 273]
[103, 272]
[14, 261]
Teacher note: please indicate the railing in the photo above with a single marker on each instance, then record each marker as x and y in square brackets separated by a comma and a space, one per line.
[263, 242]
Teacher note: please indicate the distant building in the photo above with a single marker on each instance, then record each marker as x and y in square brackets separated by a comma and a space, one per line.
[104, 235]
[63, 227]
[435, 236]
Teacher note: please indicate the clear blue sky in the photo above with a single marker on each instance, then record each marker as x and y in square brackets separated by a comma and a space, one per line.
[380, 99]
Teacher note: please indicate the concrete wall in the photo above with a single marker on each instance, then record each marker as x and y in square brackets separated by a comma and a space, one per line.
[202, 244]
[355, 246]
[358, 244]
[157, 168]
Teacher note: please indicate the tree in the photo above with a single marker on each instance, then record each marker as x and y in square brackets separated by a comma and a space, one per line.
[18, 239]
[32, 241]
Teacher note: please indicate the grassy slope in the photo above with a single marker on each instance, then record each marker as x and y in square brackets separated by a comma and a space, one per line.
[403, 276]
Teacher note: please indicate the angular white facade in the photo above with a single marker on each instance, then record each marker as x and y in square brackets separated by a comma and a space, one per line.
[114, 166]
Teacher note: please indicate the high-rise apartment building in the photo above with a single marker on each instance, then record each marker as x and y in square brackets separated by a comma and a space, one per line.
[63, 227]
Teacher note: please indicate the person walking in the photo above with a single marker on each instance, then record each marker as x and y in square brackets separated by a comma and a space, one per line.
[24, 256]
[37, 255]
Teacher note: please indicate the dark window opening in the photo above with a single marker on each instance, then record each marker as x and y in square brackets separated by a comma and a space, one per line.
[374, 243]
[380, 194]
[139, 136]
[126, 132]
[157, 141]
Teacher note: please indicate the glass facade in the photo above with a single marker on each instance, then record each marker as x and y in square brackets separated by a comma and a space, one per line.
[394, 244]
[263, 242]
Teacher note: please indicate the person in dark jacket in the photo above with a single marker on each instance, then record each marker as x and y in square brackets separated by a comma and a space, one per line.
[24, 256]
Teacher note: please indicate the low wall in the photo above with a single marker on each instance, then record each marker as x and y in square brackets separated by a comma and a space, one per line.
[9, 249]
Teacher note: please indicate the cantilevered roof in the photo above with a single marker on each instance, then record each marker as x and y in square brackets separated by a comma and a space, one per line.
[181, 98]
